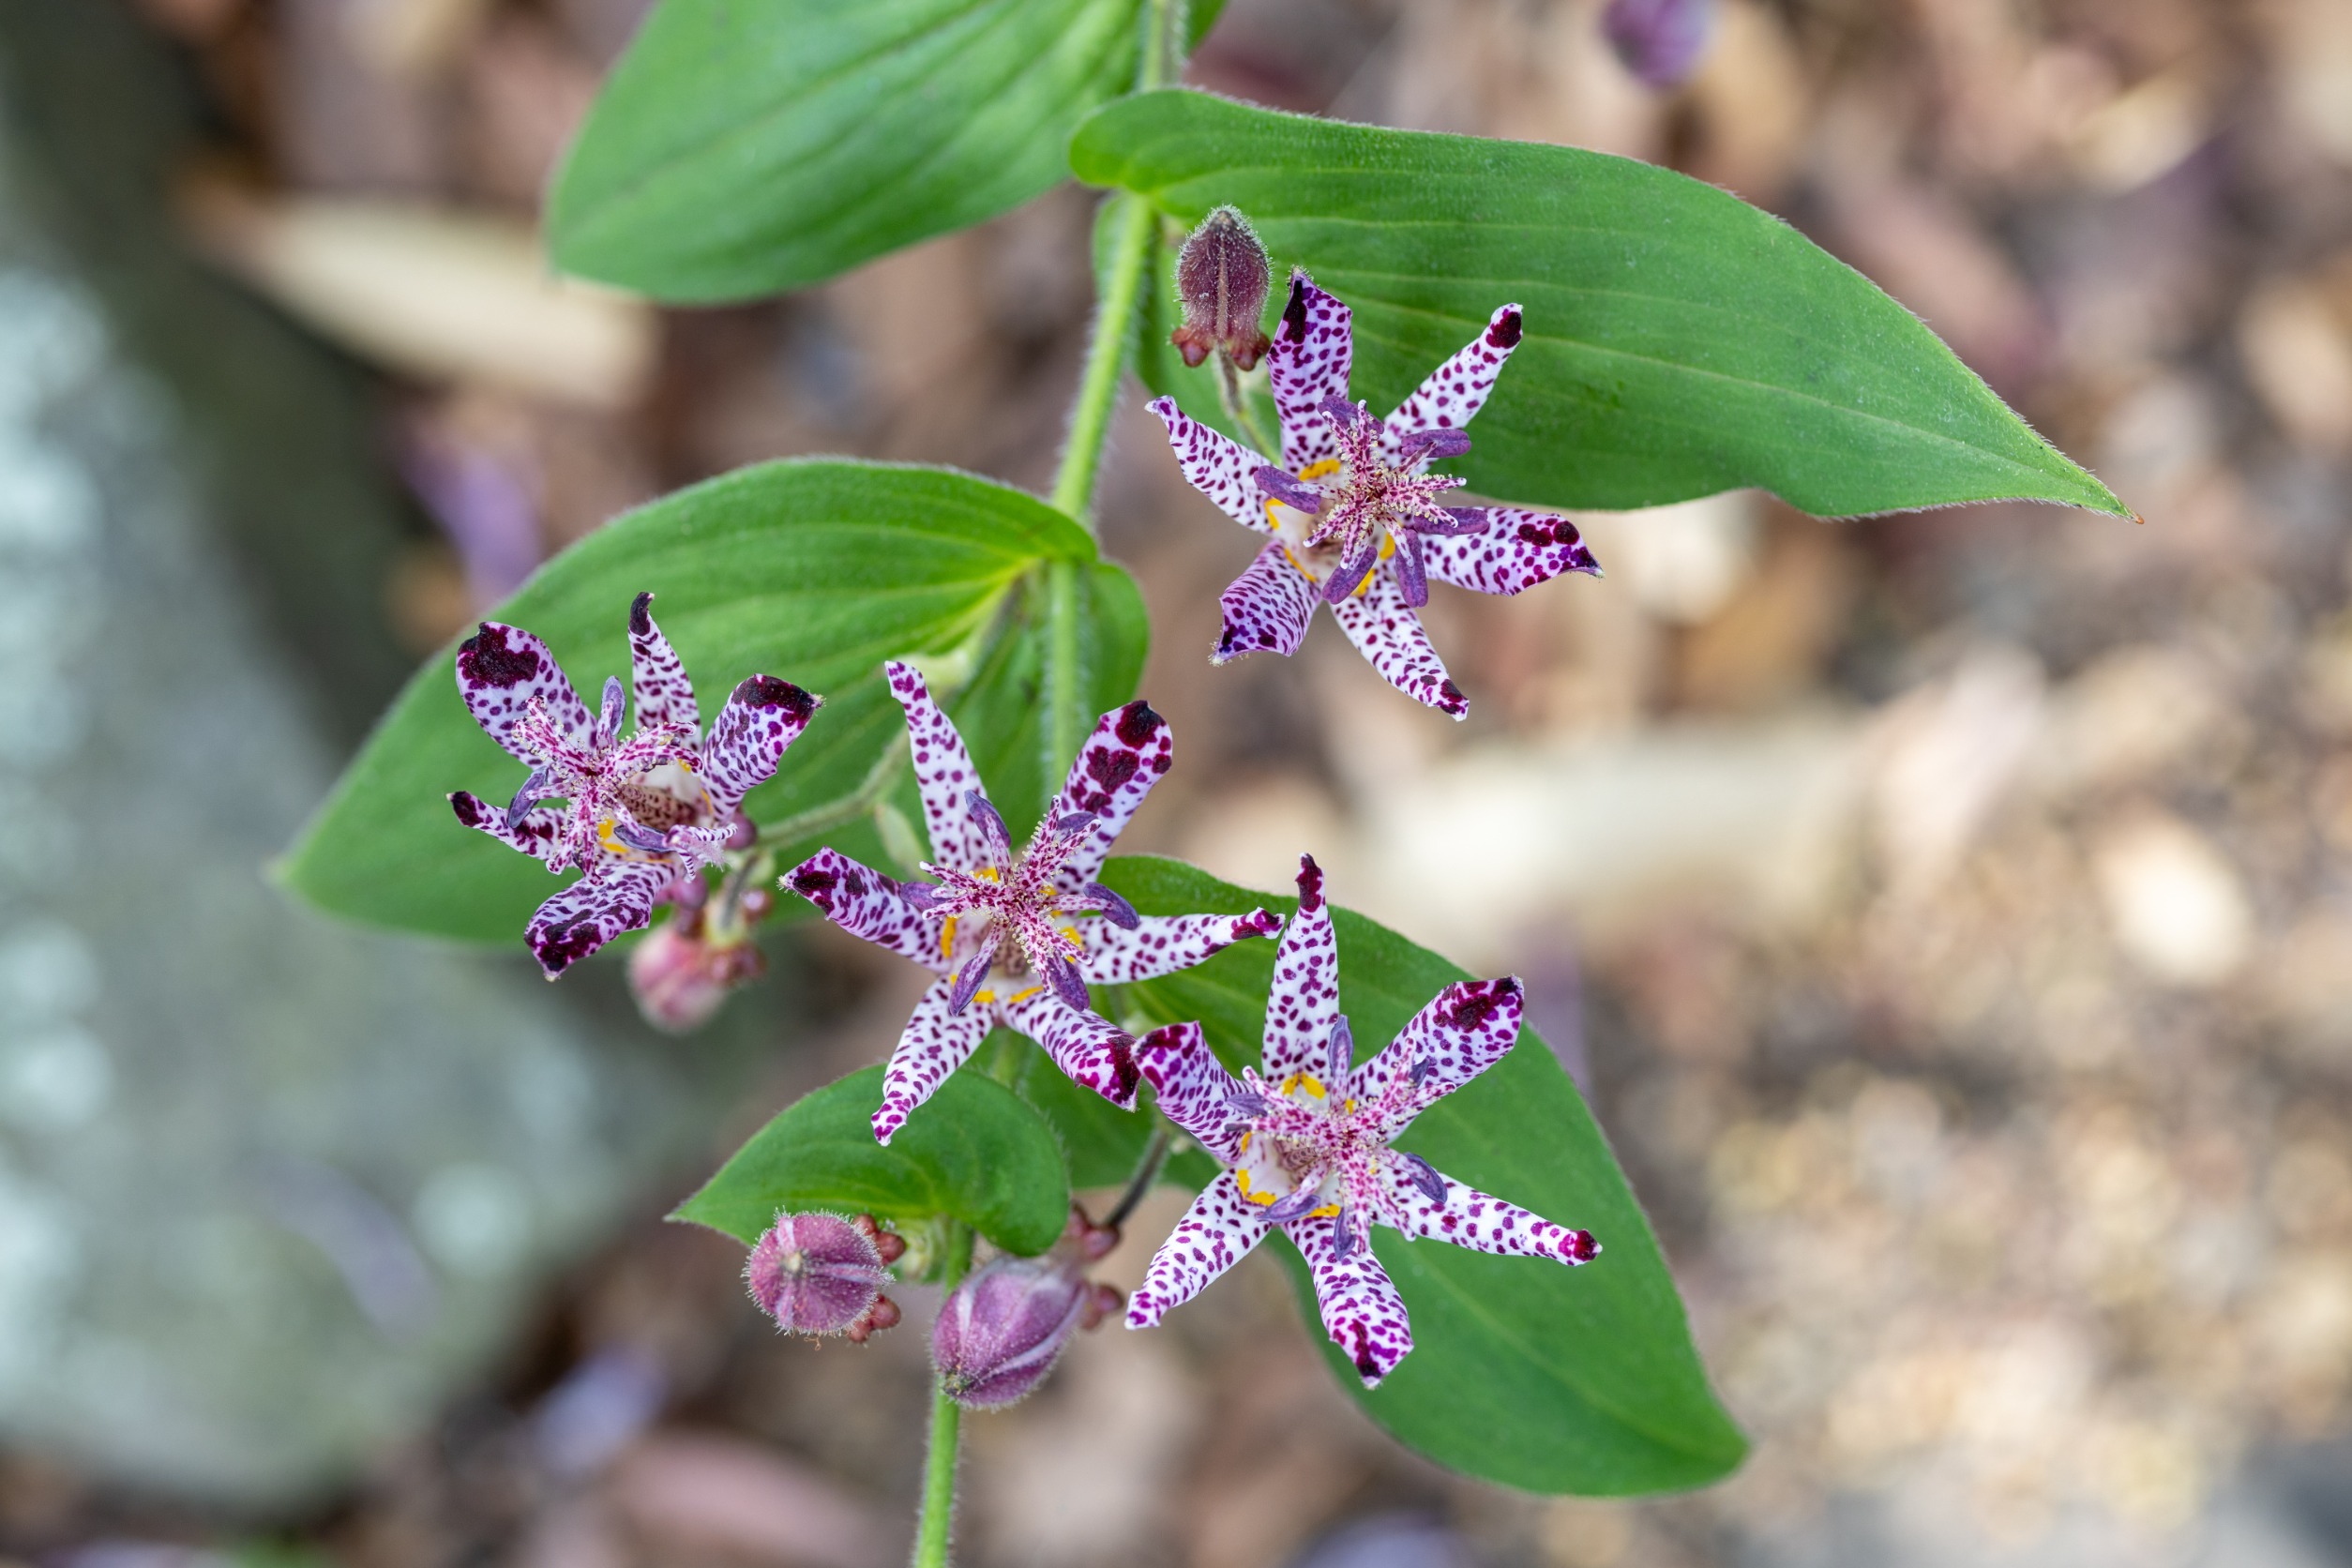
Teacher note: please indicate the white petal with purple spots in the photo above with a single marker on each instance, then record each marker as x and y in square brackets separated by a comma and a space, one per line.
[1128, 752]
[934, 1044]
[1519, 548]
[1467, 1029]
[614, 897]
[866, 904]
[1267, 608]
[1453, 393]
[762, 716]
[1362, 1311]
[656, 678]
[1470, 1218]
[1303, 1003]
[1217, 468]
[1193, 1088]
[1308, 364]
[1214, 1234]
[534, 835]
[1385, 630]
[500, 669]
[1164, 943]
[943, 771]
[1093, 1051]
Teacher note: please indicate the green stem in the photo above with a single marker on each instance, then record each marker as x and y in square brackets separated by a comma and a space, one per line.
[934, 1524]
[1115, 316]
[1065, 695]
[1238, 410]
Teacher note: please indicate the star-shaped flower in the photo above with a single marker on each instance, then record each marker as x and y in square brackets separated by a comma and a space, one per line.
[1307, 1144]
[1354, 511]
[1063, 927]
[641, 816]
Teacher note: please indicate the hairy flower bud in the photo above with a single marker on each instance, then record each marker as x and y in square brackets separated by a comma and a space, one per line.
[1001, 1331]
[1659, 40]
[679, 975]
[1221, 278]
[823, 1273]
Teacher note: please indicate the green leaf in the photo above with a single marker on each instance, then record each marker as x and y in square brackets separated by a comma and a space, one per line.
[1525, 1373]
[974, 1151]
[814, 571]
[1200, 17]
[1677, 341]
[741, 149]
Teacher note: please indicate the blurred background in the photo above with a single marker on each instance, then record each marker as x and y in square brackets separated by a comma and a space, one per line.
[1950, 916]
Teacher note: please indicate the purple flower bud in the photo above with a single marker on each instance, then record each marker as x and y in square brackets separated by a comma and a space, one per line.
[679, 975]
[1000, 1332]
[1221, 278]
[822, 1274]
[1659, 40]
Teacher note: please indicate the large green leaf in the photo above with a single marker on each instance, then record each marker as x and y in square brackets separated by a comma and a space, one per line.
[974, 1151]
[816, 570]
[1522, 1372]
[1677, 341]
[740, 149]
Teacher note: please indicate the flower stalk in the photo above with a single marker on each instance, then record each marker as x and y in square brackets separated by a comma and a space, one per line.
[934, 1525]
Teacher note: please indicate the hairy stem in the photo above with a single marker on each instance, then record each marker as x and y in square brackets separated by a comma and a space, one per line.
[1115, 316]
[1065, 697]
[934, 1524]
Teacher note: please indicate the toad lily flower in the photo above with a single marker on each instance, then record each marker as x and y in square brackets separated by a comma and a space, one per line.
[1012, 937]
[1355, 516]
[641, 816]
[1306, 1144]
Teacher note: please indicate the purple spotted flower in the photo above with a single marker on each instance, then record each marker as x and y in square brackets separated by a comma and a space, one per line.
[1014, 937]
[641, 815]
[1356, 519]
[1307, 1141]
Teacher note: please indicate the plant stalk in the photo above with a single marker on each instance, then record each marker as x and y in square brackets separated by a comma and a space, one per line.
[934, 1525]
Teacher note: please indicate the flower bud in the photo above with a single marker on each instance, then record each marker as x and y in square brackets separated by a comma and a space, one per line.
[1659, 40]
[1221, 276]
[679, 975]
[821, 1273]
[1001, 1331]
